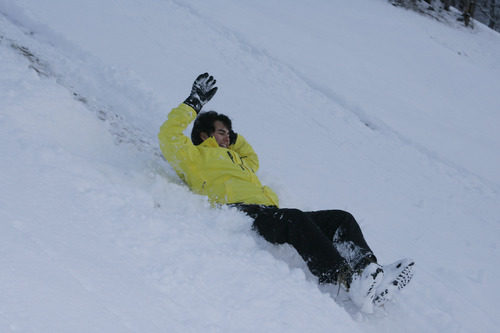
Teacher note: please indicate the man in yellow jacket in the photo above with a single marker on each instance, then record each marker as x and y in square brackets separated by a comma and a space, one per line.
[224, 172]
[222, 165]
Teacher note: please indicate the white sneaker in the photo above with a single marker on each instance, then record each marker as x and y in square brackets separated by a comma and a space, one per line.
[396, 276]
[363, 287]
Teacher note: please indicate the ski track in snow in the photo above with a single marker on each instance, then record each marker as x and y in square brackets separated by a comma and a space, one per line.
[80, 86]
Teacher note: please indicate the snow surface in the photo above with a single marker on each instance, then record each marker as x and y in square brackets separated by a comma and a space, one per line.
[364, 107]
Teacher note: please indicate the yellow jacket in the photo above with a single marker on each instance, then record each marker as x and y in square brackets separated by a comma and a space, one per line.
[225, 175]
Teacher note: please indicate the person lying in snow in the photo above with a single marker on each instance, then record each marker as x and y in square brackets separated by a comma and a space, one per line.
[221, 164]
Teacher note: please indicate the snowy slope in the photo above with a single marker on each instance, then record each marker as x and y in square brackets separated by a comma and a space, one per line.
[380, 117]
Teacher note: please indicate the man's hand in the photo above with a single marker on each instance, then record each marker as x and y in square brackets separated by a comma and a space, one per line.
[203, 90]
[232, 137]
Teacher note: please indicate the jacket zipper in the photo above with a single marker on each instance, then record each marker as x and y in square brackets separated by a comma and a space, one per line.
[232, 159]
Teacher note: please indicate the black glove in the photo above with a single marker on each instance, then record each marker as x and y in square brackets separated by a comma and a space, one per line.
[203, 90]
[232, 137]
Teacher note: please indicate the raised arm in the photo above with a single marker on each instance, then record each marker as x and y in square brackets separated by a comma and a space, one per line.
[177, 148]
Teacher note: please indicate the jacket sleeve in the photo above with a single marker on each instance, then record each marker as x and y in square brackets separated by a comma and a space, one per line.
[246, 152]
[177, 148]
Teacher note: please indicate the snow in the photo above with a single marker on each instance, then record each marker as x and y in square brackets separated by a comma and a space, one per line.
[365, 107]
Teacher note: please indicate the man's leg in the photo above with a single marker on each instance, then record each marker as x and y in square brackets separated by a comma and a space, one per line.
[317, 236]
[296, 228]
[341, 228]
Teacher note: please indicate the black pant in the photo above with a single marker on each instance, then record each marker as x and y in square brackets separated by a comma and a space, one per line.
[327, 240]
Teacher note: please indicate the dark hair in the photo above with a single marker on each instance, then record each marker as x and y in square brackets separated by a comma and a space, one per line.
[205, 123]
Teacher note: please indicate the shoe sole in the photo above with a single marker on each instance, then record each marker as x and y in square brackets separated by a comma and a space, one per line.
[399, 283]
[377, 276]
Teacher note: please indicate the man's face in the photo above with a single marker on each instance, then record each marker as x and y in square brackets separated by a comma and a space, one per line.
[221, 134]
